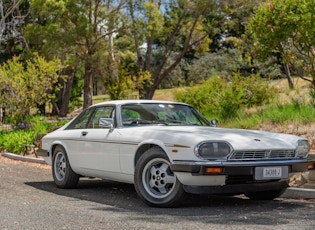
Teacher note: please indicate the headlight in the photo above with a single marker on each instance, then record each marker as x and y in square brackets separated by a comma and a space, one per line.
[213, 150]
[302, 149]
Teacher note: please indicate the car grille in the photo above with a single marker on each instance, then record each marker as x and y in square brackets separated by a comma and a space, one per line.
[262, 154]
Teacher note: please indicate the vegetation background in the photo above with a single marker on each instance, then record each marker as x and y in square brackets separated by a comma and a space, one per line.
[247, 63]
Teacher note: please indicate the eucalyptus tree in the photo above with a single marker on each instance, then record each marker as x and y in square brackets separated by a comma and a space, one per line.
[76, 31]
[169, 29]
[13, 16]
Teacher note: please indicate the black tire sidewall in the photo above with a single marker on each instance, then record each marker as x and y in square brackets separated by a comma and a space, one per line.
[173, 198]
[71, 178]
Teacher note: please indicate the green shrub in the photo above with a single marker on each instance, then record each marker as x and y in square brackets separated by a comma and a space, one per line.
[12, 141]
[224, 98]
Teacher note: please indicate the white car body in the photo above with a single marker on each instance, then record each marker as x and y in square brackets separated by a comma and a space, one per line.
[111, 150]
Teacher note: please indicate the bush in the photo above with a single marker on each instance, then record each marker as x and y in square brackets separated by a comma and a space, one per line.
[224, 98]
[12, 141]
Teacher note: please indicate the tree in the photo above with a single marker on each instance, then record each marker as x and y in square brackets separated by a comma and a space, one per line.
[286, 27]
[7, 9]
[76, 31]
[89, 21]
[170, 30]
[25, 85]
[13, 14]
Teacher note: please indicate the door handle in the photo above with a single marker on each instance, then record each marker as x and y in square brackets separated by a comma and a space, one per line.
[84, 133]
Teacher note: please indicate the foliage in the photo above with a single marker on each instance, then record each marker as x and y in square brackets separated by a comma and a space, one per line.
[181, 28]
[224, 98]
[126, 84]
[12, 141]
[287, 27]
[77, 32]
[14, 14]
[281, 114]
[223, 63]
[26, 84]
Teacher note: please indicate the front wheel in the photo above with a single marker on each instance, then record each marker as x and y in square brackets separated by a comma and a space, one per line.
[63, 174]
[265, 195]
[155, 183]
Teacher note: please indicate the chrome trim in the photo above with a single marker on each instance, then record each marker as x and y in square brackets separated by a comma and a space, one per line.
[246, 155]
[240, 163]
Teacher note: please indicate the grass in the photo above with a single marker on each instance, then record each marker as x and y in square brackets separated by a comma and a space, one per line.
[275, 114]
[292, 108]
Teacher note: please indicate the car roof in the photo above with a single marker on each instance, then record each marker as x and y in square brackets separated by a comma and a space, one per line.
[123, 102]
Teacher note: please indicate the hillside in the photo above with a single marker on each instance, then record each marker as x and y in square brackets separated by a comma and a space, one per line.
[301, 93]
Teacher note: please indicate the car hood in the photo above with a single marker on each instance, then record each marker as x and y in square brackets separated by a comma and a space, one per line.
[238, 138]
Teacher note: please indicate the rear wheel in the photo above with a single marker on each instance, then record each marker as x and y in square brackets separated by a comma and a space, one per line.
[63, 174]
[265, 195]
[155, 183]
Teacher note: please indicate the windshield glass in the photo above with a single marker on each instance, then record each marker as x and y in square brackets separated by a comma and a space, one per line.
[160, 114]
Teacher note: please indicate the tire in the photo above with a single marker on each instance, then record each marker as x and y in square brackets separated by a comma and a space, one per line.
[63, 174]
[155, 183]
[265, 195]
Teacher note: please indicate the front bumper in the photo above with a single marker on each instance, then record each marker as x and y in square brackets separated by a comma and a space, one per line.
[236, 168]
[42, 152]
[233, 177]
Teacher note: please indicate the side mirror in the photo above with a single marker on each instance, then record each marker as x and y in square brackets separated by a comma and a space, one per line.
[214, 123]
[106, 122]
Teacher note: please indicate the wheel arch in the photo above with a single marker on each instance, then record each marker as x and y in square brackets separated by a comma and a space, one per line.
[143, 148]
[54, 146]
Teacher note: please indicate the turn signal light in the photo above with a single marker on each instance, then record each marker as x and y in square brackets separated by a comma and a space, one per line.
[214, 170]
[311, 166]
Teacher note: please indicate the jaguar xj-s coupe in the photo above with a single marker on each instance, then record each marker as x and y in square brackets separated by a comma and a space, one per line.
[167, 149]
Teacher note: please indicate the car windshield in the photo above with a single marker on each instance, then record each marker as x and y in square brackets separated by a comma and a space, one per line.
[160, 114]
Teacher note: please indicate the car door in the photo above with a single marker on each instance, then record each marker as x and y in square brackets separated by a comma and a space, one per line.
[96, 148]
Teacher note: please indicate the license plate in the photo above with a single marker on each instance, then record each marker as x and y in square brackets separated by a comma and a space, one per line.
[268, 173]
[272, 172]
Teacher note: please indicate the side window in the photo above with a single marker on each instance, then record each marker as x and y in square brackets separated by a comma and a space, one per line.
[82, 121]
[102, 117]
[129, 116]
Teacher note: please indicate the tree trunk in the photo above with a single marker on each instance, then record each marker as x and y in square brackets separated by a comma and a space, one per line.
[146, 93]
[286, 67]
[288, 75]
[113, 65]
[64, 106]
[61, 106]
[88, 85]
